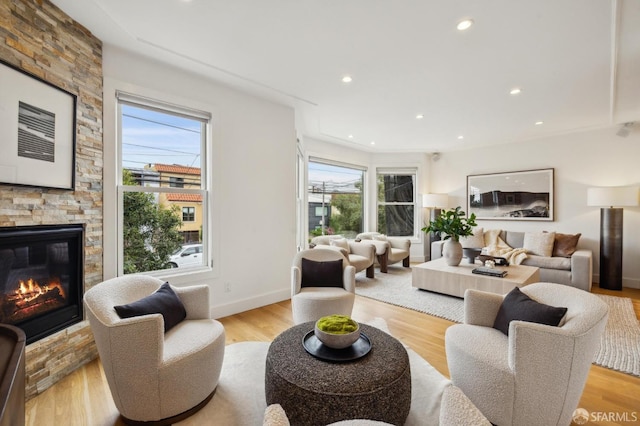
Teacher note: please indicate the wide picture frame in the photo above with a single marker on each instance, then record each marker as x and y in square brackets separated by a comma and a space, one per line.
[37, 131]
[520, 195]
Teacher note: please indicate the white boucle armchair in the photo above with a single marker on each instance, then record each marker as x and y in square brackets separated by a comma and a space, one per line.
[313, 302]
[154, 376]
[536, 374]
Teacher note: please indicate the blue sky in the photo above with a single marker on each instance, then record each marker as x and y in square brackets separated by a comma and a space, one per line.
[154, 137]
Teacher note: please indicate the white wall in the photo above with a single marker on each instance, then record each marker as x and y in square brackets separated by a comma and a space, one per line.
[253, 191]
[373, 160]
[580, 160]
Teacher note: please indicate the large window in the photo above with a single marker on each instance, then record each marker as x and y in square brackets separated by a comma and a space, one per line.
[396, 202]
[162, 167]
[335, 194]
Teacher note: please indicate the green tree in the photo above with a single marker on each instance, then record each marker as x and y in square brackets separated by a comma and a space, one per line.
[346, 213]
[151, 231]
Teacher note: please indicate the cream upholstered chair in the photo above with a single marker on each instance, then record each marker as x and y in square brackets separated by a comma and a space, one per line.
[322, 283]
[360, 256]
[389, 250]
[536, 374]
[153, 375]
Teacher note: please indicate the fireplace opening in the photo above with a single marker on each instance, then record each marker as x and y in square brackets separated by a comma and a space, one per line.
[41, 278]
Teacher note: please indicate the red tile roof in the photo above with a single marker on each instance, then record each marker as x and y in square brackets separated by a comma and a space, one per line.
[174, 168]
[188, 198]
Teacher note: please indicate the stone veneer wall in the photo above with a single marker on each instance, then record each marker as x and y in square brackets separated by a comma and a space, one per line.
[39, 38]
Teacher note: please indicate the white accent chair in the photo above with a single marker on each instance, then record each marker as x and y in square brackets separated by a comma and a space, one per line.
[389, 250]
[536, 374]
[360, 256]
[312, 303]
[156, 377]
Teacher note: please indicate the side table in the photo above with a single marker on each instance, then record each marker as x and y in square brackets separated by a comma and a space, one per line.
[317, 392]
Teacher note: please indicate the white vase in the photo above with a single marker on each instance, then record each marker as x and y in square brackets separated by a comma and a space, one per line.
[452, 252]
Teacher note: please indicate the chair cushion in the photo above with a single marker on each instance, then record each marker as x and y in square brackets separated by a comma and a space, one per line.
[321, 274]
[565, 244]
[518, 306]
[340, 242]
[163, 301]
[540, 243]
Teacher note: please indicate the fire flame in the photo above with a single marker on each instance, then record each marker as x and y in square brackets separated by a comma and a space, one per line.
[30, 289]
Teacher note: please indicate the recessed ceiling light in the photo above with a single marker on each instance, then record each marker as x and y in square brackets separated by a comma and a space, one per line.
[350, 136]
[420, 116]
[539, 123]
[373, 142]
[515, 91]
[465, 24]
[347, 79]
[460, 137]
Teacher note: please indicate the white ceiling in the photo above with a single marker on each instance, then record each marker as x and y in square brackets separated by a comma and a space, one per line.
[576, 61]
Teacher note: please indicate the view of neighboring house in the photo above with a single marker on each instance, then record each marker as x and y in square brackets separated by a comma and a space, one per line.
[176, 176]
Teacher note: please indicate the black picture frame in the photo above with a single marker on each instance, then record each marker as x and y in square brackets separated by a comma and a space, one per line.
[37, 131]
[519, 195]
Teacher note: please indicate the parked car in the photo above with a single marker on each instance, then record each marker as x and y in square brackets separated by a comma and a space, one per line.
[187, 255]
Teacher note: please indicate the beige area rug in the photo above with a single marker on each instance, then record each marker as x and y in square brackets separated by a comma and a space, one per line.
[240, 397]
[619, 347]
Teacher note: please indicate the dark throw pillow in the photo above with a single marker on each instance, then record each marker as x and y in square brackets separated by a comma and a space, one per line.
[518, 306]
[321, 274]
[565, 244]
[163, 301]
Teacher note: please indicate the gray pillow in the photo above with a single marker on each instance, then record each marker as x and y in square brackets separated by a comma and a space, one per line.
[163, 301]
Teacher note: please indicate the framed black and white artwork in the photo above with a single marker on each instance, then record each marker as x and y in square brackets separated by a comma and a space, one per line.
[37, 131]
[521, 195]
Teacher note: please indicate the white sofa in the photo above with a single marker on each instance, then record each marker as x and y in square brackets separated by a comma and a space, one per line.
[575, 271]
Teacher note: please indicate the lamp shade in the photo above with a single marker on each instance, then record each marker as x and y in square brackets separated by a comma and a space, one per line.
[435, 200]
[618, 196]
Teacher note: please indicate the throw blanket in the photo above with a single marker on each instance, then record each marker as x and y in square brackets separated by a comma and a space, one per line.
[495, 246]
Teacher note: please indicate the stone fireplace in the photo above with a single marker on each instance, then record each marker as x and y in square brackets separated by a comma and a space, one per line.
[41, 278]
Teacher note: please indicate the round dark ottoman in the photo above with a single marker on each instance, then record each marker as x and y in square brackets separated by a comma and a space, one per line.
[317, 392]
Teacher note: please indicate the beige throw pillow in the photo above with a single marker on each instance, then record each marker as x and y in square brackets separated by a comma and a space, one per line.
[474, 241]
[539, 243]
[340, 242]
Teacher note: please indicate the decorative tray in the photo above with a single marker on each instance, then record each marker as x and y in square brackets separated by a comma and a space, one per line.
[315, 347]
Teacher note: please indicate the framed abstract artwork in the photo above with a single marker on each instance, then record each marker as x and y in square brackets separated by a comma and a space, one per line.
[521, 195]
[37, 131]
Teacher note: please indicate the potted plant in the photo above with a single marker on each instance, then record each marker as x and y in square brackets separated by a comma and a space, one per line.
[451, 225]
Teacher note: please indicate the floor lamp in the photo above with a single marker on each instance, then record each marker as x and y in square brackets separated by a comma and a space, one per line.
[611, 229]
[435, 202]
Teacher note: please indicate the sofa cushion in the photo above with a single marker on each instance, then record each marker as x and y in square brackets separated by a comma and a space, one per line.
[565, 244]
[544, 262]
[514, 239]
[518, 306]
[540, 243]
[380, 237]
[163, 301]
[340, 242]
[474, 241]
[321, 274]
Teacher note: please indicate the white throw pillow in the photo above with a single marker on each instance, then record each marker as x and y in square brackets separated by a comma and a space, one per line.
[474, 241]
[539, 243]
[340, 242]
[380, 237]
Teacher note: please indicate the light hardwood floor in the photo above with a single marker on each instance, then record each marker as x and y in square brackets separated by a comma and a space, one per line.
[83, 398]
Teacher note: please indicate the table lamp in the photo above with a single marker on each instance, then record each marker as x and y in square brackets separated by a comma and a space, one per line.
[611, 200]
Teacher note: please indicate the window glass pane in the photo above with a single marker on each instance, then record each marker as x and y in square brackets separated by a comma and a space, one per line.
[396, 206]
[161, 150]
[335, 200]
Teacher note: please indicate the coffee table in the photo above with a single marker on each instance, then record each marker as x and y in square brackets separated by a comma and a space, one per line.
[437, 276]
[313, 391]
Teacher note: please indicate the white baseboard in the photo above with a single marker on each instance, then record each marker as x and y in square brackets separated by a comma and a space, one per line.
[626, 282]
[220, 311]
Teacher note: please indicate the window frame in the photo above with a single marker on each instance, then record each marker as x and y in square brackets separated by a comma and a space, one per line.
[205, 118]
[190, 213]
[403, 171]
